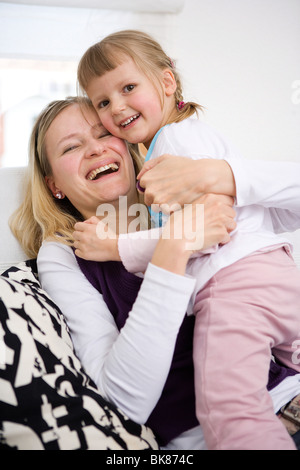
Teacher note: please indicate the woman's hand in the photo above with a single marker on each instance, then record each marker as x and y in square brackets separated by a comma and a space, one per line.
[218, 219]
[205, 223]
[92, 241]
[179, 180]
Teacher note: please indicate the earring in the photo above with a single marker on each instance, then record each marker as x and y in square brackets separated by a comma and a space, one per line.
[58, 195]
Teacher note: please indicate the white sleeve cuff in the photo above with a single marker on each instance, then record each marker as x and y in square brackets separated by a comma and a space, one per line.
[136, 249]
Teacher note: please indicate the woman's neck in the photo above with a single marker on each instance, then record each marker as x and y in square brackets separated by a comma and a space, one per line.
[123, 216]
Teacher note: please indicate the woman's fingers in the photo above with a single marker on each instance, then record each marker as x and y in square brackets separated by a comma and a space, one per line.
[148, 166]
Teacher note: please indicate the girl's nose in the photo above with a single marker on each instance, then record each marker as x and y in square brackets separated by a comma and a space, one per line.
[118, 106]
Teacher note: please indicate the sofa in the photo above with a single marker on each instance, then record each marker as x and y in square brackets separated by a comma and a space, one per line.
[47, 401]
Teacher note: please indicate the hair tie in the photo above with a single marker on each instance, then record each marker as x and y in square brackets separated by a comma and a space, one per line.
[171, 63]
[139, 187]
[181, 105]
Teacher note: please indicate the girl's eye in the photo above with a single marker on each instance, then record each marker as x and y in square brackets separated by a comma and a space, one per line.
[103, 104]
[129, 88]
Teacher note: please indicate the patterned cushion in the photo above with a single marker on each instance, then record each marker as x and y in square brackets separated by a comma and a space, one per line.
[46, 399]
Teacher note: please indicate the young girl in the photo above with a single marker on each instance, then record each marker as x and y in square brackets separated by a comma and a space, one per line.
[247, 296]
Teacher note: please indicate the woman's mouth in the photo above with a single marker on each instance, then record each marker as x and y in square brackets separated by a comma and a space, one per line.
[102, 170]
[128, 121]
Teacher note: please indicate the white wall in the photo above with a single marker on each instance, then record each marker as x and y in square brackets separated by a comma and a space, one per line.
[64, 33]
[241, 59]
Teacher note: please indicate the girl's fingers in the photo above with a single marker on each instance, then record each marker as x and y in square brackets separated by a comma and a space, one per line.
[79, 226]
[92, 220]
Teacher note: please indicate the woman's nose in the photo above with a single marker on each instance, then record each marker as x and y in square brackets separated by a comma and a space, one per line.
[95, 148]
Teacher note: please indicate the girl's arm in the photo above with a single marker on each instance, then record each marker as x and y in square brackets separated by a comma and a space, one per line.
[136, 249]
[129, 367]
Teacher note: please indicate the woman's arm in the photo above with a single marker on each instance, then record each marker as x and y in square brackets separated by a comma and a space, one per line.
[271, 184]
[129, 367]
[274, 185]
[175, 180]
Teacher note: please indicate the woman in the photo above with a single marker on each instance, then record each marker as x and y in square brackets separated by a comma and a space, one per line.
[130, 359]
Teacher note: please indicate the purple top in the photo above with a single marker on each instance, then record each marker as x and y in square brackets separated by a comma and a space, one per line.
[175, 410]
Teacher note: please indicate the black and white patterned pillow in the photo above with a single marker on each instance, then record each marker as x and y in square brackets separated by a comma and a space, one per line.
[46, 399]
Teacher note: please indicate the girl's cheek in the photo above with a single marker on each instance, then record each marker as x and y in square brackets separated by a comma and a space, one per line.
[109, 124]
[120, 145]
[105, 118]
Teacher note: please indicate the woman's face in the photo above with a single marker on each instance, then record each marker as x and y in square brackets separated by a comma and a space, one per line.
[89, 165]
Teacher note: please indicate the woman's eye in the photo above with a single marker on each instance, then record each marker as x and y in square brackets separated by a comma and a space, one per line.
[69, 149]
[104, 134]
[128, 88]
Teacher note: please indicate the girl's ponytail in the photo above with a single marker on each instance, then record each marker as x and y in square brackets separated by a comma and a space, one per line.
[185, 109]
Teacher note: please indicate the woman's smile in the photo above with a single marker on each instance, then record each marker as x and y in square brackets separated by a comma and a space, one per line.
[96, 167]
[101, 171]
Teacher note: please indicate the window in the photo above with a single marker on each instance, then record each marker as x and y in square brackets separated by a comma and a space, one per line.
[40, 47]
[26, 86]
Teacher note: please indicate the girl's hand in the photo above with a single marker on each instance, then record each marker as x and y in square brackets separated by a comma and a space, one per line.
[90, 243]
[174, 180]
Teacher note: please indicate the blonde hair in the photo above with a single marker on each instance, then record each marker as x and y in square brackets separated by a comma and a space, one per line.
[147, 54]
[41, 216]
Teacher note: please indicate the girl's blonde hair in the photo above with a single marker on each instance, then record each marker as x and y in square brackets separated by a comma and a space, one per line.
[147, 54]
[41, 216]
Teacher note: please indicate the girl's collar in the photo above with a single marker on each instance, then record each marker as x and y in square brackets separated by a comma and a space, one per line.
[150, 150]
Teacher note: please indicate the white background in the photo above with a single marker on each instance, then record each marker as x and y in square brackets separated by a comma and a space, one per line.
[239, 58]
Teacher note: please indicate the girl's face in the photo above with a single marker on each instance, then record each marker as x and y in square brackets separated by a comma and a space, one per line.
[128, 103]
[88, 164]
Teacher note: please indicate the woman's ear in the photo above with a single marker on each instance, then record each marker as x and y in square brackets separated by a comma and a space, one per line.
[169, 82]
[51, 184]
[53, 188]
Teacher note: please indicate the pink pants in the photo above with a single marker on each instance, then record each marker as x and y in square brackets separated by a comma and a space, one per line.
[243, 314]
